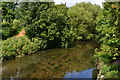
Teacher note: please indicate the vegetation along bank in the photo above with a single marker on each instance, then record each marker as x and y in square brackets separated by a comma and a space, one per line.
[49, 26]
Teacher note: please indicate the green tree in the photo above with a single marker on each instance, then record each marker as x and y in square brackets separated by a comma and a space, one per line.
[8, 9]
[83, 18]
[48, 22]
[8, 17]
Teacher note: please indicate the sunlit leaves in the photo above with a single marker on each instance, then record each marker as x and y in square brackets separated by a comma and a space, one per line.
[13, 47]
[83, 17]
[108, 35]
[48, 22]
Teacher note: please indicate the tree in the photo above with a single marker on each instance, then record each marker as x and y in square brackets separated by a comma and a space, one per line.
[83, 18]
[46, 21]
[8, 9]
[8, 17]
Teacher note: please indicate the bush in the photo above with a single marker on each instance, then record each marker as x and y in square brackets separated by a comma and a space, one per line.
[108, 35]
[105, 69]
[112, 74]
[110, 71]
[10, 29]
[13, 47]
[106, 53]
[7, 31]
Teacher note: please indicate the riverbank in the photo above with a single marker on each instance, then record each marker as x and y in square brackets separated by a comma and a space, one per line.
[100, 66]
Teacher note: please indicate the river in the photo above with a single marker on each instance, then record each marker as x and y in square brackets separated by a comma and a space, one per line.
[75, 62]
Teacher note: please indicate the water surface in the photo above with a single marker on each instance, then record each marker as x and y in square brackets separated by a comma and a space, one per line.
[53, 63]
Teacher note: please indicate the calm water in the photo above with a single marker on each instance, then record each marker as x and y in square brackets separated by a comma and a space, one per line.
[82, 74]
[76, 62]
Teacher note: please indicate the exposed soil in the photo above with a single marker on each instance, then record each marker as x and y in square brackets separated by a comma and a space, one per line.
[22, 33]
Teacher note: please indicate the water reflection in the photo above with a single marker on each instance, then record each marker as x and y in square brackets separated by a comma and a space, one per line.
[82, 74]
[53, 63]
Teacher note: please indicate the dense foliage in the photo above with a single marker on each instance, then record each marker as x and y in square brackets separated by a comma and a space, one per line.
[13, 47]
[108, 34]
[57, 26]
[83, 17]
[49, 22]
[10, 25]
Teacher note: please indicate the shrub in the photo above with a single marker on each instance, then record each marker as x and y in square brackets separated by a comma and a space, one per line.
[13, 47]
[108, 35]
[110, 71]
[10, 29]
[7, 31]
[105, 69]
[112, 74]
[106, 53]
